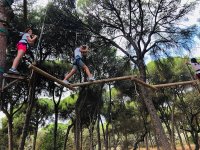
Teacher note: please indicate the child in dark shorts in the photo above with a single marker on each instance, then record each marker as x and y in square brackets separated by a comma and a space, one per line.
[78, 62]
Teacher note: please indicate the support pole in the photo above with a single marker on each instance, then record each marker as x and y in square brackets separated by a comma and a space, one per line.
[43, 73]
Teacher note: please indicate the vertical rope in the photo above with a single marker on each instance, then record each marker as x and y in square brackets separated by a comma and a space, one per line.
[40, 37]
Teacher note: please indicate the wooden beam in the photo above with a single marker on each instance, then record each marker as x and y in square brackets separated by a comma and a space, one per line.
[14, 76]
[144, 83]
[43, 73]
[131, 77]
[9, 84]
[193, 82]
[103, 81]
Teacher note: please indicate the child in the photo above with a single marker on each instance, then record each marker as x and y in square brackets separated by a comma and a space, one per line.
[78, 53]
[196, 66]
[22, 46]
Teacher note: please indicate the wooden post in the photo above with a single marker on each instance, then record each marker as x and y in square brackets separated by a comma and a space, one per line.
[43, 73]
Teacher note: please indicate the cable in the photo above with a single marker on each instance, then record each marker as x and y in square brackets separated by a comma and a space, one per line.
[40, 37]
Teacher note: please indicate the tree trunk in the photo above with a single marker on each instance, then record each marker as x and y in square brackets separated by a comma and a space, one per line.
[77, 132]
[173, 142]
[196, 140]
[163, 141]
[3, 40]
[35, 136]
[146, 142]
[10, 132]
[25, 11]
[55, 128]
[156, 120]
[187, 140]
[66, 135]
[98, 131]
[91, 137]
[31, 100]
[179, 135]
[81, 139]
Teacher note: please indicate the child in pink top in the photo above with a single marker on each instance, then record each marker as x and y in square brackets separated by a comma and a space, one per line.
[22, 46]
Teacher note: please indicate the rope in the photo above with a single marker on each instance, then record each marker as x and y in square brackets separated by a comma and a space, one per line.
[40, 37]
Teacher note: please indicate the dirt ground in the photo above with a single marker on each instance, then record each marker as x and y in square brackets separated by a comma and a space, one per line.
[177, 148]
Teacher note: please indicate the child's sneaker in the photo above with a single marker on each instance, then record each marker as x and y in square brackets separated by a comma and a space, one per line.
[58, 84]
[91, 79]
[13, 71]
[65, 81]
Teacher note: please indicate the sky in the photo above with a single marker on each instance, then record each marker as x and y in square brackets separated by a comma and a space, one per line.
[195, 52]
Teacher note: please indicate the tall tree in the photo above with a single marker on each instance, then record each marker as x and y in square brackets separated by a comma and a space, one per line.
[145, 27]
[5, 15]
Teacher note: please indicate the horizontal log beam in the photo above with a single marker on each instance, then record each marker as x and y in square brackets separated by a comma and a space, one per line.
[144, 83]
[43, 73]
[103, 81]
[131, 77]
[192, 82]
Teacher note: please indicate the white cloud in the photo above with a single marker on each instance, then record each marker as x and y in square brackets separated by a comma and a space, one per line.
[42, 3]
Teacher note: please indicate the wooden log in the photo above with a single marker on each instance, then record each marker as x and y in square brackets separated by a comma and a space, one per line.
[193, 82]
[143, 83]
[9, 84]
[43, 73]
[103, 81]
[14, 76]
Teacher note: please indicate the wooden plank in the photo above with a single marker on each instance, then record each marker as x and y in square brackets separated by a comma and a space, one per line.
[47, 75]
[102, 81]
[175, 84]
[13, 76]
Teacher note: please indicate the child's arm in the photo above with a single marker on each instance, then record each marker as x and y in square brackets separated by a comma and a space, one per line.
[31, 40]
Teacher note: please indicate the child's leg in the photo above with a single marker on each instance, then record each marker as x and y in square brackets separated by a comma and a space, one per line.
[198, 76]
[87, 71]
[70, 74]
[20, 54]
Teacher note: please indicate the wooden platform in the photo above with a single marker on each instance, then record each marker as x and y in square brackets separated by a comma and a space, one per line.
[14, 76]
